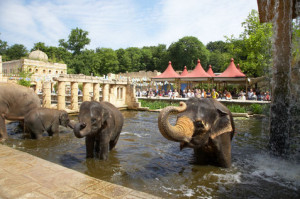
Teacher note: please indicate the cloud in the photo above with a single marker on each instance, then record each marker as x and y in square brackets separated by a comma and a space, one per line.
[121, 23]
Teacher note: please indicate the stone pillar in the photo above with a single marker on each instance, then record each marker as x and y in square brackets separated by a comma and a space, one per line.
[47, 95]
[96, 92]
[105, 92]
[74, 95]
[86, 92]
[61, 96]
[38, 86]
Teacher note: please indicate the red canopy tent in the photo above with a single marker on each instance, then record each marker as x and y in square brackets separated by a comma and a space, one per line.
[232, 75]
[198, 74]
[184, 72]
[168, 75]
[210, 72]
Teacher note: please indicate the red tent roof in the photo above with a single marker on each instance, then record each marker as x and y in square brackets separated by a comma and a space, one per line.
[210, 71]
[168, 73]
[184, 72]
[232, 71]
[198, 71]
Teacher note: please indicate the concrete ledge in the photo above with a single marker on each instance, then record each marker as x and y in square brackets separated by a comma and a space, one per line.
[25, 176]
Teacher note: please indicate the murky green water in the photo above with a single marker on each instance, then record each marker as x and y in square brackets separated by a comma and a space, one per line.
[143, 160]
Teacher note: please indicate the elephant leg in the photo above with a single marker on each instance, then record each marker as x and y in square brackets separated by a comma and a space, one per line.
[54, 129]
[97, 147]
[103, 151]
[3, 132]
[113, 143]
[89, 144]
[104, 143]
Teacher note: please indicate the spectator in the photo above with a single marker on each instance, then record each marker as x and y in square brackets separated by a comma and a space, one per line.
[208, 94]
[228, 95]
[184, 94]
[267, 96]
[214, 94]
[254, 96]
[250, 94]
[242, 97]
[203, 94]
[175, 94]
[170, 94]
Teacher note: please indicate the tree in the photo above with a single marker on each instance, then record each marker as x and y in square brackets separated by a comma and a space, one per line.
[135, 56]
[221, 46]
[3, 47]
[16, 51]
[253, 48]
[186, 52]
[109, 61]
[124, 60]
[77, 41]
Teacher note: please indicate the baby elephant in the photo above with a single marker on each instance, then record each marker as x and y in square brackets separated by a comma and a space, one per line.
[43, 119]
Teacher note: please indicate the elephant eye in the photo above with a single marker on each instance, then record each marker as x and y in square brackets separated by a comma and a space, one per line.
[94, 120]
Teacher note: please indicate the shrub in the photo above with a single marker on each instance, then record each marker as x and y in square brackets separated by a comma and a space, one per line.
[237, 109]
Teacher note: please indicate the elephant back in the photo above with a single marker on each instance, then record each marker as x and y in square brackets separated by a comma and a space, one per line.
[17, 100]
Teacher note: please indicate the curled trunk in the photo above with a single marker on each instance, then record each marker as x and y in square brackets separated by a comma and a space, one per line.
[183, 129]
[81, 130]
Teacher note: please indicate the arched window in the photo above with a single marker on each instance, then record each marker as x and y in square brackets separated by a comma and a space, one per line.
[44, 71]
[56, 72]
[30, 70]
[62, 72]
[49, 71]
[36, 70]
[120, 93]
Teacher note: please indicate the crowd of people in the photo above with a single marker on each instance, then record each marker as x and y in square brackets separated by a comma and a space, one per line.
[202, 93]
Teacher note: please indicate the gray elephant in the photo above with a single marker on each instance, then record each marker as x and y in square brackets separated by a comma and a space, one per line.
[15, 101]
[101, 124]
[205, 125]
[43, 119]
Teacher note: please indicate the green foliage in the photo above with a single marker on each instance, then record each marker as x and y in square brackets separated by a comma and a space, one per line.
[186, 51]
[16, 51]
[237, 109]
[76, 42]
[253, 47]
[153, 105]
[25, 78]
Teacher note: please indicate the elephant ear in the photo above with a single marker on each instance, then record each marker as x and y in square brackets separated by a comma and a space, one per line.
[105, 116]
[62, 116]
[224, 122]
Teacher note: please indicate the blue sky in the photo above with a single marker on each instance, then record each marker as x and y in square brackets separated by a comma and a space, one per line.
[121, 23]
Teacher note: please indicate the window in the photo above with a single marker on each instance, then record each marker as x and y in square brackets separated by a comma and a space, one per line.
[119, 93]
[44, 71]
[30, 70]
[36, 70]
[49, 71]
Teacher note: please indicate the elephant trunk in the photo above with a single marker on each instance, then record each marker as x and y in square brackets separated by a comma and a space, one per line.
[81, 130]
[183, 129]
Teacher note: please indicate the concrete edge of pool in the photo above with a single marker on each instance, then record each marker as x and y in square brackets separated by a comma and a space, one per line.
[25, 176]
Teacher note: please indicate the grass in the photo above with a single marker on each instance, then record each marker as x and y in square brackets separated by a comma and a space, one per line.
[157, 104]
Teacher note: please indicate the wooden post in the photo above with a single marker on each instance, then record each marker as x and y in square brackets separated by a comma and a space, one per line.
[61, 96]
[74, 96]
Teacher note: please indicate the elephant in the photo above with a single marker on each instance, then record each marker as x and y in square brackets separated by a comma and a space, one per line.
[15, 101]
[205, 125]
[44, 119]
[101, 124]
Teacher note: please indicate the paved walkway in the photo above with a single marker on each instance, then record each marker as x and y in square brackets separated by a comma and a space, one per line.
[25, 176]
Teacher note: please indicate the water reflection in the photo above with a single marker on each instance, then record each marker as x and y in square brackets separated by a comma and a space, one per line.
[145, 161]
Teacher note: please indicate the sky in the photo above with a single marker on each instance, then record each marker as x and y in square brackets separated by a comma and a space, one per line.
[121, 23]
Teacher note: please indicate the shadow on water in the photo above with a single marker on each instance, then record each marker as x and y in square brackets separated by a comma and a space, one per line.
[143, 160]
